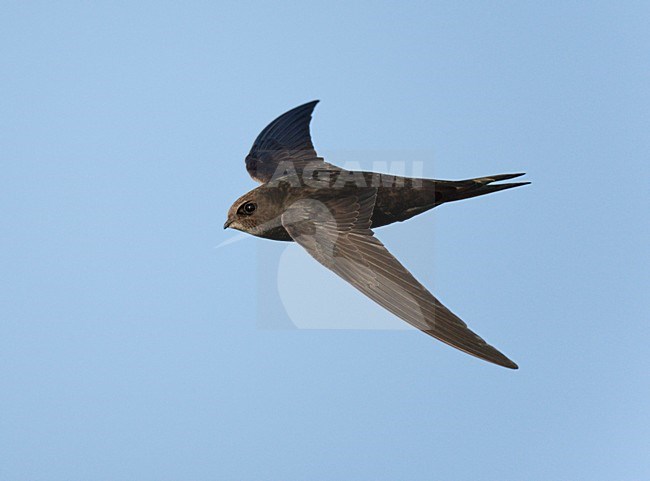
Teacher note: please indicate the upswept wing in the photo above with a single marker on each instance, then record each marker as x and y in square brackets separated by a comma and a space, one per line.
[284, 146]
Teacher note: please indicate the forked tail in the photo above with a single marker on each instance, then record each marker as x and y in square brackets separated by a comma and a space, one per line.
[450, 190]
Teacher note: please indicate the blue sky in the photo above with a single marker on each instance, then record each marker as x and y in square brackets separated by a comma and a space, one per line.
[131, 348]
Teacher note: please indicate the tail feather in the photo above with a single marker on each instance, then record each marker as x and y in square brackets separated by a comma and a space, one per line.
[496, 178]
[449, 191]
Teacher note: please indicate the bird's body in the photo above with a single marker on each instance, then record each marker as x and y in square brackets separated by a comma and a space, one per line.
[330, 211]
[398, 198]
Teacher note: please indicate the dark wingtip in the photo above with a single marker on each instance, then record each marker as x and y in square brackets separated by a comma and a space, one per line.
[500, 359]
[511, 365]
[301, 109]
[310, 105]
[307, 108]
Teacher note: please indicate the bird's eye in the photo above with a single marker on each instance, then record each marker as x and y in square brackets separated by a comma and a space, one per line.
[249, 208]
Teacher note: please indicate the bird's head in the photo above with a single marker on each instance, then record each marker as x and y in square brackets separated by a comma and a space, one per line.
[257, 212]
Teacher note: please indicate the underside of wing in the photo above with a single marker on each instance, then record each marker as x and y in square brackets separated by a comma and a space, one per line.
[284, 146]
[336, 232]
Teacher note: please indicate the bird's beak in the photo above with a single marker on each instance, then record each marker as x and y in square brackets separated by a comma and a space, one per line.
[227, 224]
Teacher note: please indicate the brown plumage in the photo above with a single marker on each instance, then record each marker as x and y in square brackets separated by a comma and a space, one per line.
[330, 211]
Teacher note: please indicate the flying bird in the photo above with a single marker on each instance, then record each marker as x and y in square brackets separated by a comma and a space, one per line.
[331, 212]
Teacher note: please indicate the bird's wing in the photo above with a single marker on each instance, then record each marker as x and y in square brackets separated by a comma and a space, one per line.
[284, 146]
[336, 232]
